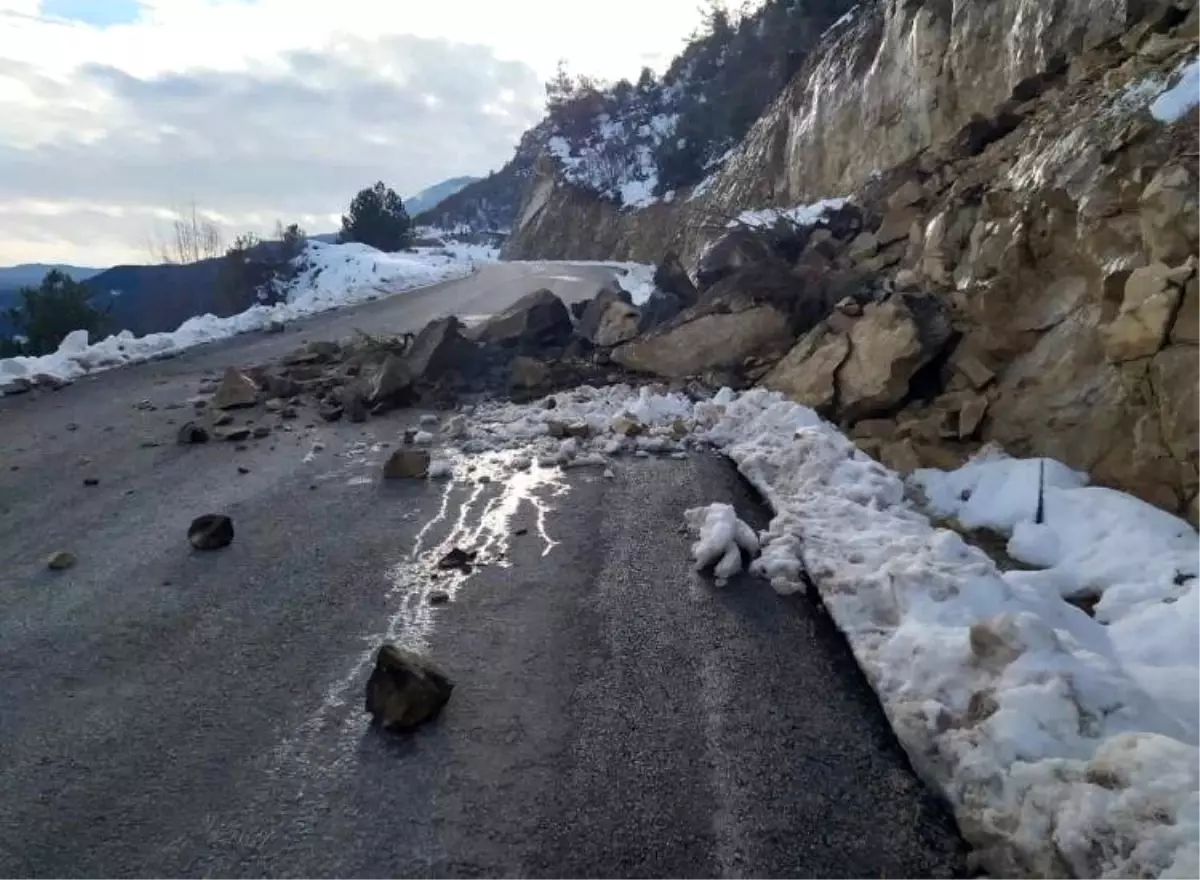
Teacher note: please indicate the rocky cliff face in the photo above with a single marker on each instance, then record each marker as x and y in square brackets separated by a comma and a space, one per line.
[890, 80]
[1010, 168]
[903, 76]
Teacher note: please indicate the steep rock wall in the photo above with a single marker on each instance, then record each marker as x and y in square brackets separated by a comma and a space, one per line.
[905, 75]
[1045, 206]
[898, 77]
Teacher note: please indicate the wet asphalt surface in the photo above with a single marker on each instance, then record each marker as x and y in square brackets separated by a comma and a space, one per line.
[171, 713]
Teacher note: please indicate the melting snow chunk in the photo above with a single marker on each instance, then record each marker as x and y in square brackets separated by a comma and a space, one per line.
[723, 537]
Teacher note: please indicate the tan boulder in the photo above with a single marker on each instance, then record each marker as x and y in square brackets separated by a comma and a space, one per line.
[888, 344]
[619, 323]
[1173, 376]
[1189, 29]
[1186, 328]
[1146, 313]
[907, 279]
[900, 456]
[535, 320]
[236, 390]
[874, 429]
[973, 370]
[439, 348]
[970, 416]
[887, 258]
[527, 372]
[406, 464]
[807, 373]
[702, 340]
[864, 245]
[897, 225]
[909, 193]
[1192, 513]
[1169, 215]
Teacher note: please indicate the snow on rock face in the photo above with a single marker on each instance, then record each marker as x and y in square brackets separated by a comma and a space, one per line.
[1065, 745]
[334, 275]
[722, 539]
[800, 215]
[618, 162]
[1176, 101]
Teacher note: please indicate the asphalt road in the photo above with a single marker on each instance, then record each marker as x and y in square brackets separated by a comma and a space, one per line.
[165, 712]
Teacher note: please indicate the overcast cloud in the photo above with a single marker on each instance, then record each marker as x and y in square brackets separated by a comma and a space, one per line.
[269, 109]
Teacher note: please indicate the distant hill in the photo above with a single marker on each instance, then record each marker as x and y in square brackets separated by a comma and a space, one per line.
[31, 274]
[487, 204]
[13, 278]
[153, 299]
[431, 196]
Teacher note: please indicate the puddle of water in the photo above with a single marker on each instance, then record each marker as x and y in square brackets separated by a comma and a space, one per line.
[482, 522]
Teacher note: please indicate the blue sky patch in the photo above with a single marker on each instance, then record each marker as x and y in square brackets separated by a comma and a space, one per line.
[99, 13]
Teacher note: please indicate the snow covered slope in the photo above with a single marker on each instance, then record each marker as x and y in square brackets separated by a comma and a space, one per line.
[335, 275]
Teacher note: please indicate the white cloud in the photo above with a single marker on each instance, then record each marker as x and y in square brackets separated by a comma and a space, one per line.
[277, 108]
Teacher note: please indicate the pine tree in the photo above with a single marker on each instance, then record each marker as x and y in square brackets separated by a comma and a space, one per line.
[48, 312]
[377, 218]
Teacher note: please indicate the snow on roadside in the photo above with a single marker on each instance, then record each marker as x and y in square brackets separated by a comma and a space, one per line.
[1042, 726]
[1139, 562]
[335, 275]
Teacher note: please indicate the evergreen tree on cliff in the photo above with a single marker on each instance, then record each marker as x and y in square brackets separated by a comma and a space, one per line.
[377, 218]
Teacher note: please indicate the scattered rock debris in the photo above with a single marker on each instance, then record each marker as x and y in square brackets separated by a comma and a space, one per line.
[61, 560]
[406, 464]
[458, 558]
[212, 531]
[190, 433]
[405, 689]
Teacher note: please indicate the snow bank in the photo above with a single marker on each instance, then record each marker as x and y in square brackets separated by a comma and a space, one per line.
[800, 215]
[722, 539]
[1172, 104]
[335, 275]
[1138, 563]
[1062, 743]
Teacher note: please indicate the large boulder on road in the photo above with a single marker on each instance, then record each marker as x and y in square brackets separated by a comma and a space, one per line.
[713, 335]
[236, 390]
[591, 312]
[405, 689]
[808, 373]
[657, 310]
[736, 249]
[536, 320]
[670, 277]
[390, 383]
[888, 345]
[439, 348]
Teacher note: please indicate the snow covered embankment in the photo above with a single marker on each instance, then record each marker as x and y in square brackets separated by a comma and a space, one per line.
[1064, 745]
[335, 275]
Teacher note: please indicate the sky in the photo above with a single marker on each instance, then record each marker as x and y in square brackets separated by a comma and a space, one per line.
[116, 114]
